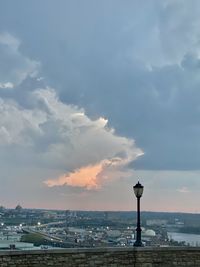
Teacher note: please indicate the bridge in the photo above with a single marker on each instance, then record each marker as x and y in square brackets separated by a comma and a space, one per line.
[51, 238]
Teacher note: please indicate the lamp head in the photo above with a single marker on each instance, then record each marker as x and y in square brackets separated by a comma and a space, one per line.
[138, 189]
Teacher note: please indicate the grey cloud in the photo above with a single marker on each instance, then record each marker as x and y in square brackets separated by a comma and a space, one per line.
[14, 66]
[179, 24]
[135, 63]
[132, 63]
[38, 130]
[159, 107]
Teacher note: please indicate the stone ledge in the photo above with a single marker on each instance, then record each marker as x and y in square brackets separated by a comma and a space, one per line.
[99, 250]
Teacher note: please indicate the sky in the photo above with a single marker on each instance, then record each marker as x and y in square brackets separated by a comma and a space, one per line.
[96, 95]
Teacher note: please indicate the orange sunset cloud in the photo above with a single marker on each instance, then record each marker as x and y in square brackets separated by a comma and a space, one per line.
[84, 177]
[92, 176]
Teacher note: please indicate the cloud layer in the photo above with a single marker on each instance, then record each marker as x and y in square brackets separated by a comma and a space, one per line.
[132, 66]
[58, 135]
[14, 66]
[136, 64]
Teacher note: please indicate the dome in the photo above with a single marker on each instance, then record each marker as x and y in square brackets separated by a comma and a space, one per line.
[149, 232]
[113, 233]
[18, 208]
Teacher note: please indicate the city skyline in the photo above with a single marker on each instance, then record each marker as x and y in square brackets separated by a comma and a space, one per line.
[95, 95]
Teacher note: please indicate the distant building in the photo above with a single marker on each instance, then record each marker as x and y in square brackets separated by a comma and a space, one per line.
[156, 222]
[113, 233]
[106, 215]
[18, 208]
[2, 208]
[8, 244]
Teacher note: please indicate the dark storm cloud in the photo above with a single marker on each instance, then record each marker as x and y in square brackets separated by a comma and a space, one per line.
[159, 107]
[134, 62]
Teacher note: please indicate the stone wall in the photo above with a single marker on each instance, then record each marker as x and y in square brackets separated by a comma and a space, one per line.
[108, 257]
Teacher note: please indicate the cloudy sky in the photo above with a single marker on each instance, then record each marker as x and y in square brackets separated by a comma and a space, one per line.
[95, 95]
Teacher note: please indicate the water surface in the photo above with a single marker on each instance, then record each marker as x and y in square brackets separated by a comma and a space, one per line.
[191, 239]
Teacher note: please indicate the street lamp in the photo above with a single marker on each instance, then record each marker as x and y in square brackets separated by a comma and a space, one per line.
[138, 190]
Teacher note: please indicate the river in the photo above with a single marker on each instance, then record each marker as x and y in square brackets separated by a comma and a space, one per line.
[192, 239]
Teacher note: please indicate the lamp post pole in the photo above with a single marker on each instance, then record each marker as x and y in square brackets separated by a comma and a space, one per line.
[138, 190]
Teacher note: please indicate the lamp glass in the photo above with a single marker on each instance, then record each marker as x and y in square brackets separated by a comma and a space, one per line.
[138, 190]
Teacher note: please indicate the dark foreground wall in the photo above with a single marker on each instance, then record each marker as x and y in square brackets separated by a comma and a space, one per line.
[104, 257]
